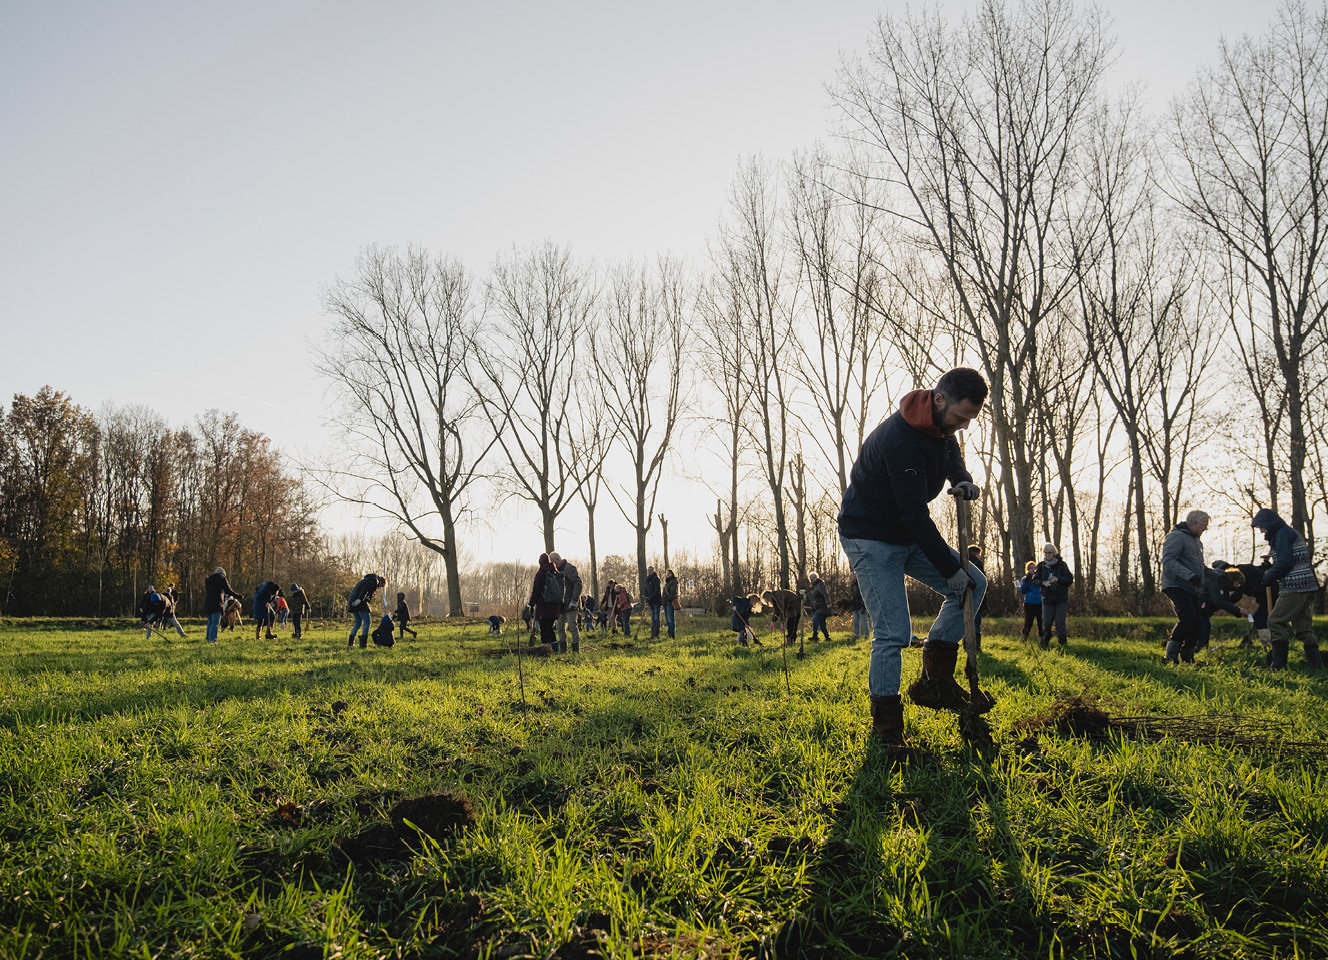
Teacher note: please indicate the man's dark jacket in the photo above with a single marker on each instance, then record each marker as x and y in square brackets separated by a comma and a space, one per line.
[215, 588]
[785, 606]
[1217, 596]
[1292, 569]
[652, 595]
[1058, 571]
[904, 464]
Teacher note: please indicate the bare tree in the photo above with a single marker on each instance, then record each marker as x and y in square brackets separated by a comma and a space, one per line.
[843, 358]
[643, 348]
[1253, 137]
[597, 432]
[395, 355]
[724, 366]
[972, 133]
[523, 372]
[751, 268]
[1127, 296]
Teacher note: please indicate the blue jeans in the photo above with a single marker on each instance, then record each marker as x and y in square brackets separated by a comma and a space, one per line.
[818, 623]
[214, 621]
[668, 618]
[363, 621]
[654, 620]
[881, 568]
[861, 624]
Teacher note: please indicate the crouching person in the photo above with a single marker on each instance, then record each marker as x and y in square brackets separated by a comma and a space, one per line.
[887, 532]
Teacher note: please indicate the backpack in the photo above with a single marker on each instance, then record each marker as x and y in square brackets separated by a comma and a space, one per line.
[382, 636]
[555, 587]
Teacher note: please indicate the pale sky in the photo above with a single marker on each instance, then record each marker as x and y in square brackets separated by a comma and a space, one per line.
[180, 181]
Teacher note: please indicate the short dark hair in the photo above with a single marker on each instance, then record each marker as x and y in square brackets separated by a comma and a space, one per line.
[962, 383]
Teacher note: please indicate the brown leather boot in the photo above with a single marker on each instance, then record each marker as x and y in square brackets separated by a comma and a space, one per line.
[936, 688]
[887, 715]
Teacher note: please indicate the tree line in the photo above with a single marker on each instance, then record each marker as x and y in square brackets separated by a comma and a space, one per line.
[96, 506]
[1143, 290]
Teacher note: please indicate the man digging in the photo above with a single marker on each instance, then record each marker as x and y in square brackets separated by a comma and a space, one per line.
[887, 533]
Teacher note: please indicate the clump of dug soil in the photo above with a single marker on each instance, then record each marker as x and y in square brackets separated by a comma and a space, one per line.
[440, 816]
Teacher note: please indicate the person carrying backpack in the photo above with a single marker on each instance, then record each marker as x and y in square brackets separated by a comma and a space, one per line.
[546, 596]
[571, 608]
[155, 609]
[361, 595]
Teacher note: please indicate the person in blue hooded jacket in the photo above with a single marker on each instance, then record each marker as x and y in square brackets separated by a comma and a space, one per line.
[1031, 593]
[1293, 573]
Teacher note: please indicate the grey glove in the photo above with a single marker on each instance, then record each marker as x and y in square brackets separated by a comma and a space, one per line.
[967, 489]
[959, 581]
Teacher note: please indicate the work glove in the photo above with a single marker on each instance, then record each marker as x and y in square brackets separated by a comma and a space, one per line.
[967, 489]
[1250, 618]
[1049, 583]
[959, 581]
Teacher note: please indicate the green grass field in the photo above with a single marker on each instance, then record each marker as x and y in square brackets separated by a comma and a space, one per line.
[254, 799]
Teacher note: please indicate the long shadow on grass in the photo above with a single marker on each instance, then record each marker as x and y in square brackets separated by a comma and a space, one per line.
[920, 860]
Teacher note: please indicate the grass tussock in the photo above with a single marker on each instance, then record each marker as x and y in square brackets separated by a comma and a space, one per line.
[297, 799]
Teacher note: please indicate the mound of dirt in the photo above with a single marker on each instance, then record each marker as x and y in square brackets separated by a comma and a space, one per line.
[438, 815]
[1079, 715]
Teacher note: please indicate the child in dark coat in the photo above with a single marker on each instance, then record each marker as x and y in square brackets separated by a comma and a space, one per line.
[402, 617]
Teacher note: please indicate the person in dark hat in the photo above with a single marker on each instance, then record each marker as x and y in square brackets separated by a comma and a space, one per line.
[1293, 572]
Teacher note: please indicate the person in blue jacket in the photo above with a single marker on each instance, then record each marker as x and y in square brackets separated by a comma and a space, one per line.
[1030, 591]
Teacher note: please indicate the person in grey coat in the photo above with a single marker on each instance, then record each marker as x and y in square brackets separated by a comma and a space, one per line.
[1293, 572]
[1183, 584]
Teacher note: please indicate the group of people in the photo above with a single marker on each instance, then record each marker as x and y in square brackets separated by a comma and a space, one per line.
[887, 533]
[559, 607]
[158, 609]
[1283, 589]
[271, 605]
